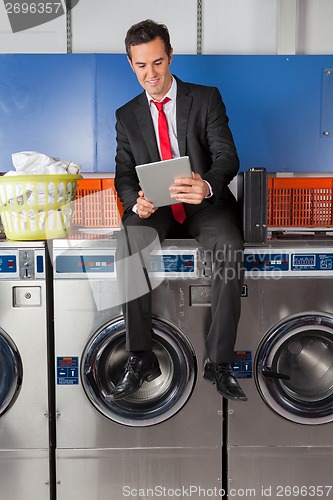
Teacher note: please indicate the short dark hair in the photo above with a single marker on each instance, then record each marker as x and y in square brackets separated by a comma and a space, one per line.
[146, 31]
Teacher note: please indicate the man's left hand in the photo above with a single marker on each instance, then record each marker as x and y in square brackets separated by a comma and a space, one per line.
[187, 190]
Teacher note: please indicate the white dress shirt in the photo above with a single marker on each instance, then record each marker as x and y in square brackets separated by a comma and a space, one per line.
[169, 109]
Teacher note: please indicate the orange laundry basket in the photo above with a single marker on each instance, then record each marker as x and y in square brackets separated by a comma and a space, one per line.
[300, 202]
[97, 204]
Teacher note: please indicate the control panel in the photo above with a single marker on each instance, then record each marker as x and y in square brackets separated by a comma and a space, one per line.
[24, 264]
[292, 262]
[173, 263]
[169, 263]
[85, 264]
[8, 264]
[259, 262]
[312, 262]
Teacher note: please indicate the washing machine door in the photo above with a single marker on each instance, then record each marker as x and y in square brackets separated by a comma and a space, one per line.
[11, 372]
[102, 365]
[294, 368]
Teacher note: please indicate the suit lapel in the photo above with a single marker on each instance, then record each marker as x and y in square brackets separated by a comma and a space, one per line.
[184, 102]
[146, 126]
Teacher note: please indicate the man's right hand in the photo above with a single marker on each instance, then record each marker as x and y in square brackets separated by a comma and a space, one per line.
[144, 207]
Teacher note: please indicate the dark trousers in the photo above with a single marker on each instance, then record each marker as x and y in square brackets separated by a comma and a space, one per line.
[218, 230]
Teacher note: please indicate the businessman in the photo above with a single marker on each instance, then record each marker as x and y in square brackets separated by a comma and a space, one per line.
[169, 119]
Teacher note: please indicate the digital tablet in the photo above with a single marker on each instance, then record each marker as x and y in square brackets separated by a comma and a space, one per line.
[156, 178]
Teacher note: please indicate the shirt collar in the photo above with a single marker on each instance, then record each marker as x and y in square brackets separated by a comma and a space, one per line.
[172, 93]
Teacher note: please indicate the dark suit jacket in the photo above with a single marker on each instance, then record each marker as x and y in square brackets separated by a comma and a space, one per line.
[203, 135]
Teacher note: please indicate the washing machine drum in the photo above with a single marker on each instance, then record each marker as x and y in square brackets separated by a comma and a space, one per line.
[11, 372]
[102, 366]
[294, 368]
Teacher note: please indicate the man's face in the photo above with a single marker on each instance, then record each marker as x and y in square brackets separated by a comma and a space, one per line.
[151, 65]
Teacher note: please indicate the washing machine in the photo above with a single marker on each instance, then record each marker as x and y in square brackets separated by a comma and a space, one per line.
[166, 440]
[280, 444]
[24, 398]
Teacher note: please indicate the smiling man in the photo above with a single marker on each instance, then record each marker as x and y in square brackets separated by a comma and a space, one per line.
[171, 119]
[153, 74]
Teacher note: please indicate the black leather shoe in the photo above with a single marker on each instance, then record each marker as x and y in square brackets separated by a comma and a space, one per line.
[226, 384]
[138, 369]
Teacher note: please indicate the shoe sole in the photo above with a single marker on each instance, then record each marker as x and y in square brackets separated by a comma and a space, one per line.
[206, 377]
[153, 375]
[209, 376]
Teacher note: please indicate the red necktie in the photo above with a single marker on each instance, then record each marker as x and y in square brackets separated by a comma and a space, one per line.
[166, 153]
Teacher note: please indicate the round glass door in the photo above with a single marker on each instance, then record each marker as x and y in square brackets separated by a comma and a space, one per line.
[11, 372]
[294, 368]
[103, 362]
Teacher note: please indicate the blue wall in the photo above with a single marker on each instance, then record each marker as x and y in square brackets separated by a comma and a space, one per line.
[64, 105]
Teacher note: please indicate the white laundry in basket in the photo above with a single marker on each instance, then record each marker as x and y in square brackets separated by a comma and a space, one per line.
[32, 162]
[19, 193]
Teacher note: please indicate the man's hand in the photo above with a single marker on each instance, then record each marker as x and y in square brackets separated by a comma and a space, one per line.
[144, 207]
[187, 190]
